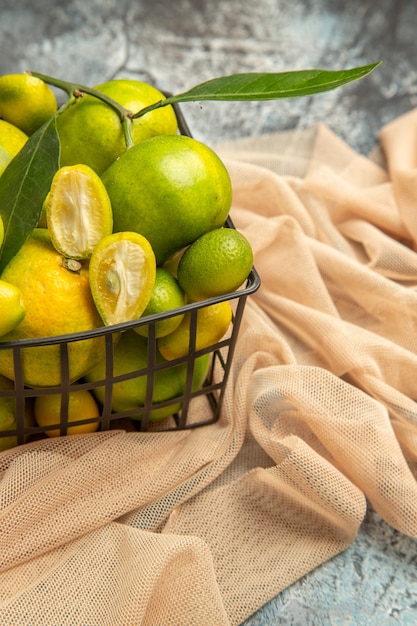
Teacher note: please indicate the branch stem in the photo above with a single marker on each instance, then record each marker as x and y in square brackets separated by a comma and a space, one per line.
[76, 90]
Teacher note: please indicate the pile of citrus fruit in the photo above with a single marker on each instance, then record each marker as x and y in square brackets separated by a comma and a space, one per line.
[125, 231]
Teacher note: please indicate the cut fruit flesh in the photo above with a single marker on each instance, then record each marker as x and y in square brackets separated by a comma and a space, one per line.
[78, 211]
[122, 276]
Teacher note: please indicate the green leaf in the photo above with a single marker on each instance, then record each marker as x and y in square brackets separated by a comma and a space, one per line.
[24, 185]
[255, 86]
[269, 86]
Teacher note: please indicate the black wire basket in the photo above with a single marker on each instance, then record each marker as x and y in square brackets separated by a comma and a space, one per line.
[197, 407]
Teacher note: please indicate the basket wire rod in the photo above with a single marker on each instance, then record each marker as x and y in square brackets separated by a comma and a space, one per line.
[64, 388]
[108, 386]
[150, 381]
[19, 386]
[237, 318]
[182, 421]
[211, 396]
[210, 381]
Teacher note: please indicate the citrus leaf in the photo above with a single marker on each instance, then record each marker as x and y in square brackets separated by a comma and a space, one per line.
[24, 185]
[254, 86]
[265, 86]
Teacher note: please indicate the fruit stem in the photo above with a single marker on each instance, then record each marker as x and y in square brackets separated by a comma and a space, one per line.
[76, 90]
[151, 107]
[127, 125]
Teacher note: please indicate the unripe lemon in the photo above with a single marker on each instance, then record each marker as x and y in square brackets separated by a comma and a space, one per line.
[171, 189]
[166, 296]
[26, 101]
[217, 263]
[81, 406]
[130, 355]
[58, 301]
[12, 140]
[12, 307]
[91, 132]
[213, 322]
[8, 415]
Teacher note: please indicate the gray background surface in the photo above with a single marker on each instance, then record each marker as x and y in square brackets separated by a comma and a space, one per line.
[176, 44]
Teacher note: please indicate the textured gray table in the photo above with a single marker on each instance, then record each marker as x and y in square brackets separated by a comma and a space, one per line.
[179, 43]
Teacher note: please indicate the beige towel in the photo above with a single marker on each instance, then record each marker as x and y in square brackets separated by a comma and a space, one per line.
[204, 526]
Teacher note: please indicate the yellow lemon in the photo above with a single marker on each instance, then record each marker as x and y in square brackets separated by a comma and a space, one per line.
[12, 140]
[26, 101]
[171, 189]
[217, 263]
[1, 231]
[130, 356]
[212, 324]
[91, 132]
[12, 308]
[81, 406]
[8, 416]
[166, 296]
[78, 211]
[58, 301]
[122, 276]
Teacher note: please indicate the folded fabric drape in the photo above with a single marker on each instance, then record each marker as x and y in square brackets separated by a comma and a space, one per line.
[205, 526]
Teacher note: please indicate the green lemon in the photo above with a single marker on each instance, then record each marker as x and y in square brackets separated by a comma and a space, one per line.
[8, 415]
[7, 407]
[26, 101]
[91, 132]
[213, 322]
[171, 189]
[166, 295]
[217, 263]
[12, 140]
[12, 307]
[81, 406]
[130, 355]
